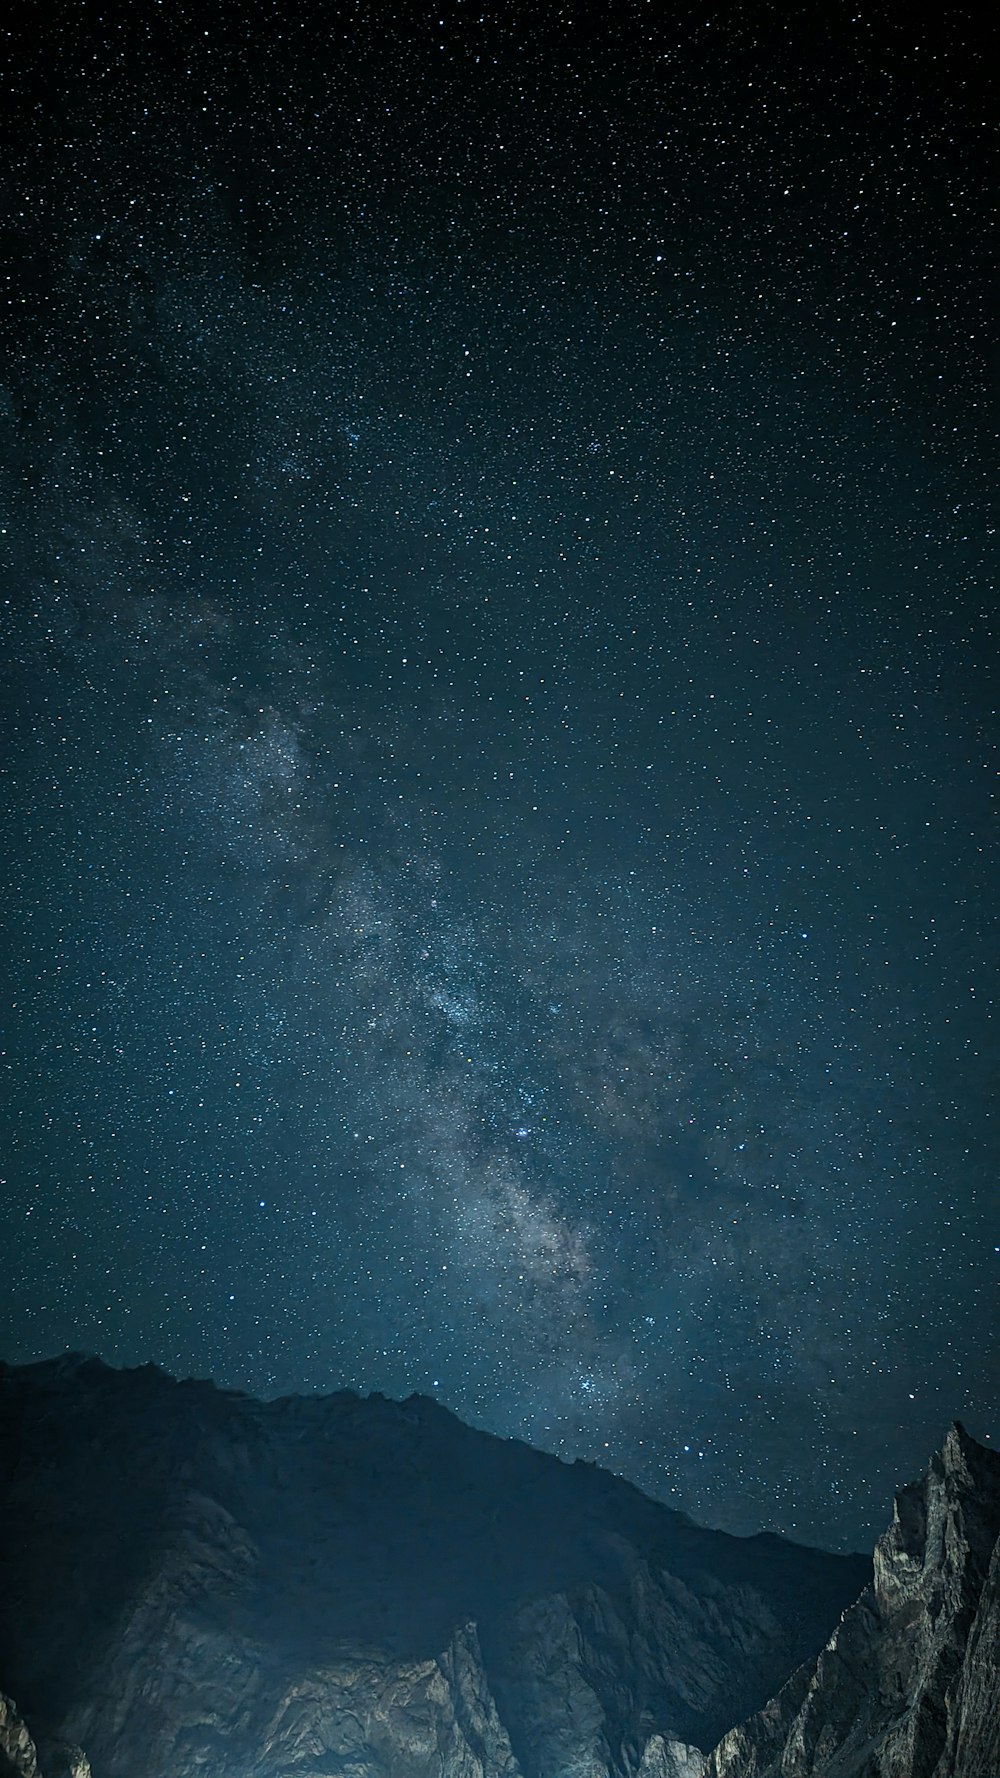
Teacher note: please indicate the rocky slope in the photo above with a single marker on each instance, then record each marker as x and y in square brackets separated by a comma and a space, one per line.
[197, 1583]
[909, 1684]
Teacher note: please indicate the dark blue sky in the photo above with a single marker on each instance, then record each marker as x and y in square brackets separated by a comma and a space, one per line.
[498, 749]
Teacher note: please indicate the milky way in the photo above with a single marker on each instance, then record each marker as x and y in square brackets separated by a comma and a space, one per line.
[498, 740]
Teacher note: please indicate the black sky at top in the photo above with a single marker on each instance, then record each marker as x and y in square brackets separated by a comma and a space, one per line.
[498, 736]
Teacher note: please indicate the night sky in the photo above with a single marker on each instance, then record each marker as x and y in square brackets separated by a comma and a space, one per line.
[497, 753]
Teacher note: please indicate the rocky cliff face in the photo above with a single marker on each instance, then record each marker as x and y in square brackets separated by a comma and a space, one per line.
[19, 1753]
[909, 1684]
[194, 1583]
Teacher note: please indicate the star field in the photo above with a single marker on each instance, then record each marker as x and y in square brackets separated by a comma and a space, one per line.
[499, 750]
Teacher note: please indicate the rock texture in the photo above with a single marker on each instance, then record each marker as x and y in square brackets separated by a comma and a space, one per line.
[197, 1585]
[19, 1755]
[909, 1684]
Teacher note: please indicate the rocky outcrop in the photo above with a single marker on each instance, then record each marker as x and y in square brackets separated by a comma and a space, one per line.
[664, 1758]
[19, 1755]
[908, 1686]
[195, 1582]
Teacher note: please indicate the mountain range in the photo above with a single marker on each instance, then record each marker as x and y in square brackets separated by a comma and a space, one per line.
[196, 1584]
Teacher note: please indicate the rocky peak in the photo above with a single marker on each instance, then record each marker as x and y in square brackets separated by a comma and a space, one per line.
[909, 1684]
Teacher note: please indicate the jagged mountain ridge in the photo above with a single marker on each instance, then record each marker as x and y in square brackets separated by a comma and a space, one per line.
[196, 1581]
[909, 1684]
